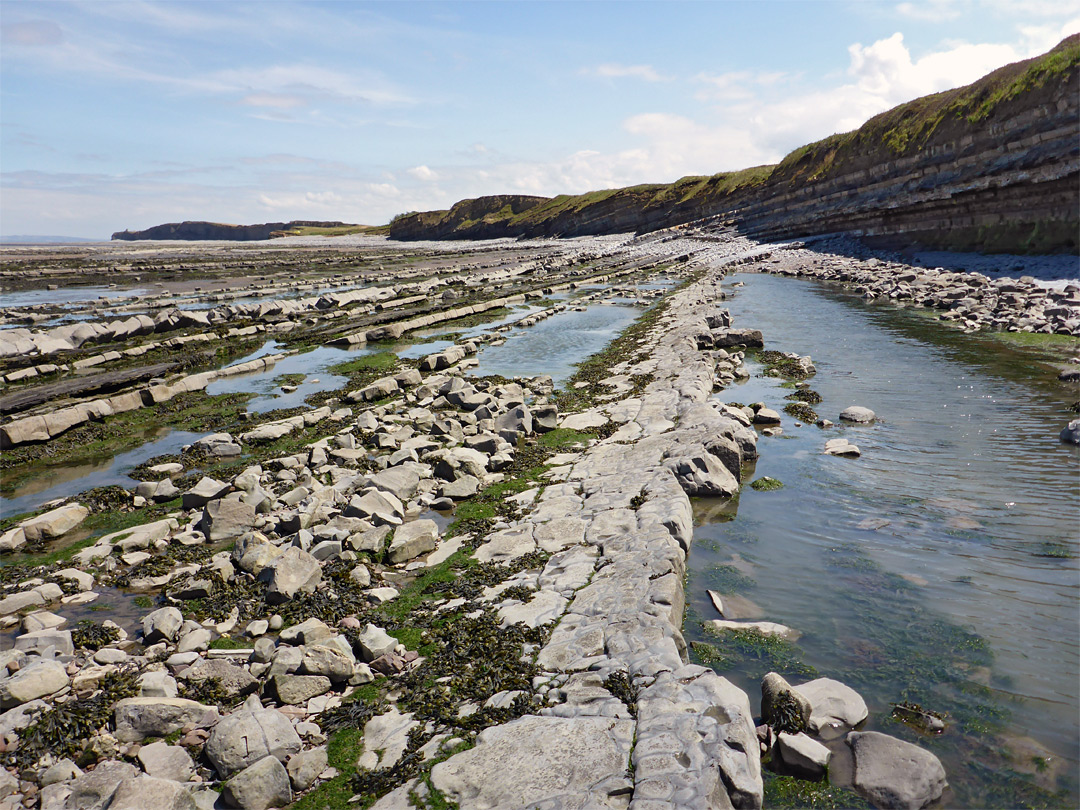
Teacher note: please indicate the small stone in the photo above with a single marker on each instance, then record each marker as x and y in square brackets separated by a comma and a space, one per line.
[304, 768]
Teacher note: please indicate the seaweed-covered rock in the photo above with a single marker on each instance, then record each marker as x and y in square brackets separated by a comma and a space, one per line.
[782, 708]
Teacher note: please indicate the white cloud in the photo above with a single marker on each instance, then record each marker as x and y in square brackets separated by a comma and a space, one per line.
[305, 82]
[612, 70]
[422, 173]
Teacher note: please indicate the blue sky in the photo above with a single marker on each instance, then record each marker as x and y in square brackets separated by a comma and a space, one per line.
[128, 114]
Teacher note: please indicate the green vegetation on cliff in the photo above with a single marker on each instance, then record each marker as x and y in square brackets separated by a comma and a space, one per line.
[932, 129]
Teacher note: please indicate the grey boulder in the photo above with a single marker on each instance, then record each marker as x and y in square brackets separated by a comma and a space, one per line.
[413, 539]
[262, 784]
[141, 717]
[162, 625]
[33, 682]
[164, 761]
[293, 572]
[833, 705]
[243, 738]
[146, 792]
[893, 774]
[225, 519]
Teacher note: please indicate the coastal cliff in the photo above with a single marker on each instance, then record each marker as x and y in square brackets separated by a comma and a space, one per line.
[992, 166]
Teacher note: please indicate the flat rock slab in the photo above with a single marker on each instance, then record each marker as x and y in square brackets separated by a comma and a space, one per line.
[893, 774]
[72, 386]
[580, 762]
[857, 413]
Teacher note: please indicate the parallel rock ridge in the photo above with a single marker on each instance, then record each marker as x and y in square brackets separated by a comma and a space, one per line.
[990, 166]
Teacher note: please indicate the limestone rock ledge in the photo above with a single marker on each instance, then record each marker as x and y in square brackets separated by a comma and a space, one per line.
[696, 745]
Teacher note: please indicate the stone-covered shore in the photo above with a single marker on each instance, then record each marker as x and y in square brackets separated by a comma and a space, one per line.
[318, 636]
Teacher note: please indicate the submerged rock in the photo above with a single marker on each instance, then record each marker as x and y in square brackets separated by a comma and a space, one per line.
[857, 413]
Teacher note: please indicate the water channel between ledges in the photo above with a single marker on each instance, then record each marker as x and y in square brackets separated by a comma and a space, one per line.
[960, 515]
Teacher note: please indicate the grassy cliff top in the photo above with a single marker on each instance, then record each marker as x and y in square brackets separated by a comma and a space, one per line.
[902, 131]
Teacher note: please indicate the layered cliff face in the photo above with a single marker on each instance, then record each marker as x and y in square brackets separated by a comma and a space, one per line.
[203, 231]
[483, 213]
[992, 166]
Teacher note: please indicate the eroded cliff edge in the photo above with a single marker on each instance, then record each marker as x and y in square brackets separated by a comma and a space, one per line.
[992, 166]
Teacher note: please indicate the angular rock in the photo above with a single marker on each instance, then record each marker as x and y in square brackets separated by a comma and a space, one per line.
[33, 682]
[149, 793]
[293, 572]
[857, 413]
[164, 761]
[310, 631]
[803, 756]
[333, 663]
[296, 689]
[401, 482]
[225, 519]
[304, 768]
[893, 774]
[413, 539]
[841, 447]
[381, 507]
[54, 523]
[375, 642]
[141, 717]
[234, 680]
[261, 785]
[38, 641]
[203, 492]
[162, 625]
[832, 705]
[93, 789]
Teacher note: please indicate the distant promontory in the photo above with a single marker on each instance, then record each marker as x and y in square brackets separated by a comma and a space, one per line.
[217, 231]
